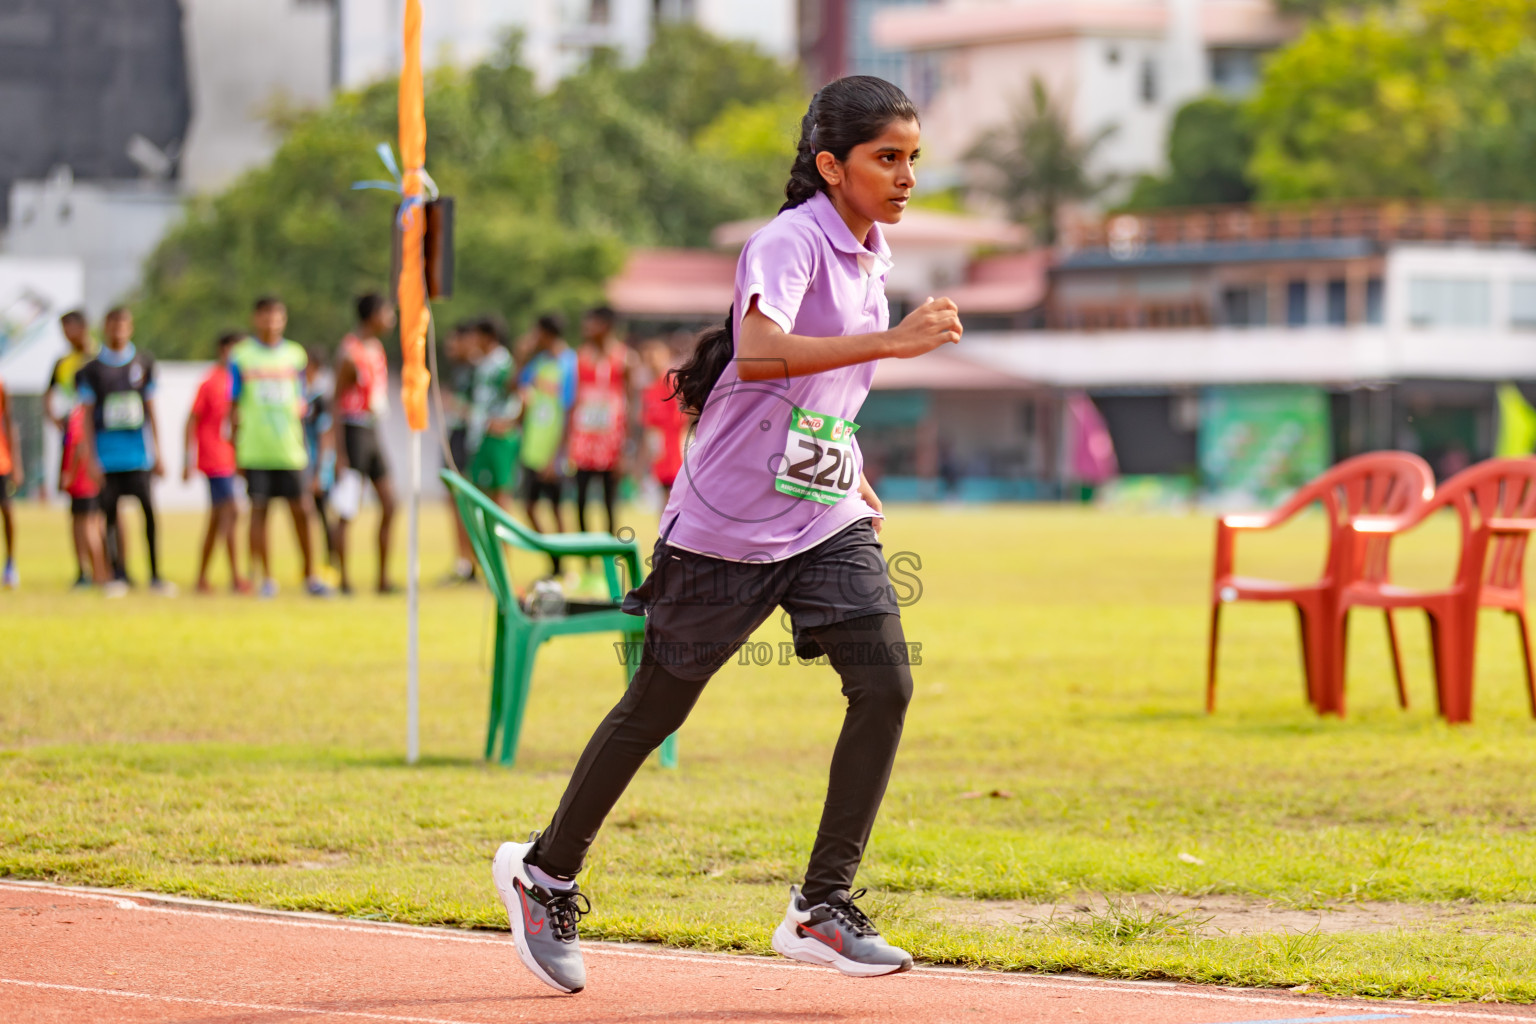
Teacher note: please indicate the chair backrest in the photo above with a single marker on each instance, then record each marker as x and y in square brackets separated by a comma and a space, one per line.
[1496, 502]
[481, 516]
[1373, 484]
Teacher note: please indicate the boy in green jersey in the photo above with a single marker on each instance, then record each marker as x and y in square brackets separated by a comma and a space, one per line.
[490, 431]
[548, 388]
[267, 387]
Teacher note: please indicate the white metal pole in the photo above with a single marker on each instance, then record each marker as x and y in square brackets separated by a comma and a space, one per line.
[412, 593]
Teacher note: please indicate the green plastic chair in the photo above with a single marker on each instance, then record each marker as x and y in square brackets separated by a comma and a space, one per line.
[518, 636]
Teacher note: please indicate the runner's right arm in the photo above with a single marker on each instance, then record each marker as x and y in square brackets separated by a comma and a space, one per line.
[765, 351]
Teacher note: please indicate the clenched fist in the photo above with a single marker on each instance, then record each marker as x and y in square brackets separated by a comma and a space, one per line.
[934, 323]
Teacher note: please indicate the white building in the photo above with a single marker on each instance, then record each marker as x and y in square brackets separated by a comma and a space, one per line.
[1121, 64]
[558, 35]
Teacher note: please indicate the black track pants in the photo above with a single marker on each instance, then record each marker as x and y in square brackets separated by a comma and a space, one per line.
[131, 484]
[868, 655]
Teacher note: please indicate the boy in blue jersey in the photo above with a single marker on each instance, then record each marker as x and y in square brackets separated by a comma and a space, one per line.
[120, 441]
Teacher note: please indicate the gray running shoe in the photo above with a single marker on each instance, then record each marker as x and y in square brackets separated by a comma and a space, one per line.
[543, 921]
[838, 934]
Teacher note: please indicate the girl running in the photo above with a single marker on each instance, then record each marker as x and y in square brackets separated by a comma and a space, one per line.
[771, 510]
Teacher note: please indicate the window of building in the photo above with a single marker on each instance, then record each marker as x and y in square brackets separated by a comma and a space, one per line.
[1375, 301]
[1449, 302]
[1296, 303]
[1245, 305]
[1149, 81]
[1338, 302]
[1522, 303]
[1234, 71]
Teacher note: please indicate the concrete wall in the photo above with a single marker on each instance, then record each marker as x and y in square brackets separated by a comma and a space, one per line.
[246, 59]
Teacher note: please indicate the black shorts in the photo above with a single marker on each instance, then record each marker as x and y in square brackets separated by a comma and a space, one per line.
[533, 487]
[265, 484]
[5, 489]
[363, 451]
[458, 449]
[698, 610]
[83, 506]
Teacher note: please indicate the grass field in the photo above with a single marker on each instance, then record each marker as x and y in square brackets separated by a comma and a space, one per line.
[243, 750]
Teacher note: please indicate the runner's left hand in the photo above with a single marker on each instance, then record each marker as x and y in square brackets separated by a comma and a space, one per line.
[872, 500]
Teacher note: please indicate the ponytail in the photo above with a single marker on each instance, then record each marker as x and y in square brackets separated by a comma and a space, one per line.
[695, 379]
[846, 113]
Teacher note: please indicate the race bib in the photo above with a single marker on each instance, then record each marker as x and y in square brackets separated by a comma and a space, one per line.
[596, 414]
[122, 410]
[272, 392]
[818, 463]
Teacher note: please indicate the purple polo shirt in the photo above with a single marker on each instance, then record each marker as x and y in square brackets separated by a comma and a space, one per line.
[813, 278]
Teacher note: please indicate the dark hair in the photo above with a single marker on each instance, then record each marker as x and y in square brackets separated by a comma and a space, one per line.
[846, 113]
[228, 338]
[603, 313]
[368, 304]
[115, 312]
[712, 352]
[74, 316]
[492, 326]
[266, 302]
[552, 323]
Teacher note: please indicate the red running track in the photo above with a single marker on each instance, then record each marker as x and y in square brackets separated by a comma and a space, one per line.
[89, 955]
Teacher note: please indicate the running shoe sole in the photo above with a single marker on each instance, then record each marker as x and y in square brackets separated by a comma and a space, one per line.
[788, 944]
[502, 874]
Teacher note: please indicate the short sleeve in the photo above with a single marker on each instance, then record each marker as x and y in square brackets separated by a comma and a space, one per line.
[84, 390]
[777, 267]
[234, 381]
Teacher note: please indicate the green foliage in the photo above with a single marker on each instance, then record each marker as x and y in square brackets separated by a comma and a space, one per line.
[1424, 99]
[1209, 146]
[1033, 164]
[1323, 8]
[1492, 155]
[549, 190]
[1352, 109]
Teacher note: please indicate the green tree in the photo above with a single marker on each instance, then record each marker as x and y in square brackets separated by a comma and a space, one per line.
[1383, 104]
[1033, 164]
[1209, 145]
[1352, 109]
[1491, 155]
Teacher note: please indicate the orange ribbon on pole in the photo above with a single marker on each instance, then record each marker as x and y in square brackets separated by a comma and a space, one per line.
[412, 287]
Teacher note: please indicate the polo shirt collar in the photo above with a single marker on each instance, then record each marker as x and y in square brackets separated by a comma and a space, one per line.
[111, 358]
[875, 258]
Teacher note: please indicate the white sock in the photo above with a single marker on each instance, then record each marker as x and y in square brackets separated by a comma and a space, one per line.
[548, 880]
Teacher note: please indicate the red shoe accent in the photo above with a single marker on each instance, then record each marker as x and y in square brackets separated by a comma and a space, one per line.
[528, 922]
[836, 946]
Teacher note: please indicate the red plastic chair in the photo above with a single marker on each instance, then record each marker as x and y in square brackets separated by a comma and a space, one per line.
[1496, 502]
[1374, 484]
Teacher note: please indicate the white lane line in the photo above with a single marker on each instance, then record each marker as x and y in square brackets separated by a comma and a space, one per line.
[156, 904]
[226, 1004]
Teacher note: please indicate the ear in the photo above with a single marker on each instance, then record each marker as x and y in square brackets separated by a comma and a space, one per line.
[830, 167]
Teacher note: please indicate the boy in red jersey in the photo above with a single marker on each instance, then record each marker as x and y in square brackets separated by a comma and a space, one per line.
[208, 442]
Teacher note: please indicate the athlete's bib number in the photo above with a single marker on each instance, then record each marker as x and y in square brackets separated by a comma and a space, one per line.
[273, 392]
[122, 410]
[818, 462]
[596, 414]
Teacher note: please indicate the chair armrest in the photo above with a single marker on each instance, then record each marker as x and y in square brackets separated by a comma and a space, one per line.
[1514, 526]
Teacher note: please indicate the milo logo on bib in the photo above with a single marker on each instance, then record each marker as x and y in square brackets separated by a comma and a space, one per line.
[818, 462]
